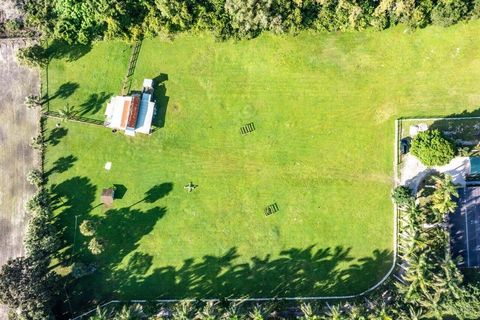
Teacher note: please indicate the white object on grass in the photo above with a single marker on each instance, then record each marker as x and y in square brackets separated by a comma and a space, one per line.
[413, 130]
[422, 127]
[108, 165]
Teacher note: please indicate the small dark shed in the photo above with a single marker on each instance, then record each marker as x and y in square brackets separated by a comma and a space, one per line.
[107, 196]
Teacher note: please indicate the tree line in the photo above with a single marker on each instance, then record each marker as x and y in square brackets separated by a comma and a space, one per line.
[83, 21]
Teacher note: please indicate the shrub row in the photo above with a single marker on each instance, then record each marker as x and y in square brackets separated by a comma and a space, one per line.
[82, 21]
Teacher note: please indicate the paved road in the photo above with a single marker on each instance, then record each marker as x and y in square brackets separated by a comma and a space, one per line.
[18, 125]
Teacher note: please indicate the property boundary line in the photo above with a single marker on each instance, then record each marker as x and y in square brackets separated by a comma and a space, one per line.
[439, 118]
[132, 64]
[53, 114]
[320, 298]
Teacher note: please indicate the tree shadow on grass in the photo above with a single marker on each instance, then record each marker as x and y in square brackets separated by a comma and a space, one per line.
[64, 91]
[155, 193]
[56, 134]
[460, 114]
[125, 272]
[62, 164]
[121, 229]
[306, 272]
[74, 197]
[70, 52]
[362, 273]
[94, 103]
[462, 132]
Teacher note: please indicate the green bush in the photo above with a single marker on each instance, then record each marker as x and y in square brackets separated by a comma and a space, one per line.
[33, 56]
[13, 26]
[432, 149]
[32, 101]
[76, 21]
[38, 202]
[96, 246]
[87, 228]
[37, 142]
[41, 237]
[35, 177]
[402, 196]
[448, 12]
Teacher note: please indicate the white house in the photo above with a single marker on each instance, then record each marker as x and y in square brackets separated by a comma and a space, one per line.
[133, 113]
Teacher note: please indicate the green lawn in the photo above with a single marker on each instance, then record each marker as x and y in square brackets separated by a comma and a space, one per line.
[323, 107]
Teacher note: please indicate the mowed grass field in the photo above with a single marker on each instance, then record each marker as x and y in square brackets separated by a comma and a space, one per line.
[323, 106]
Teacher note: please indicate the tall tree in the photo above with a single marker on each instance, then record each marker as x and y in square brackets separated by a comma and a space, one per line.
[67, 112]
[27, 288]
[442, 197]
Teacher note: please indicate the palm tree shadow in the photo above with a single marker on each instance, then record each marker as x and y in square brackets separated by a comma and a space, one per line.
[295, 272]
[155, 193]
[94, 103]
[56, 134]
[64, 91]
[62, 164]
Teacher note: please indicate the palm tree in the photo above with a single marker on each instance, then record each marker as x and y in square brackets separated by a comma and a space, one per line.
[67, 112]
[445, 189]
[354, 313]
[32, 101]
[334, 313]
[308, 313]
[35, 177]
[96, 246]
[183, 311]
[445, 205]
[233, 312]
[87, 228]
[135, 312]
[37, 142]
[433, 306]
[413, 314]
[449, 279]
[258, 313]
[384, 313]
[417, 277]
[101, 314]
[208, 312]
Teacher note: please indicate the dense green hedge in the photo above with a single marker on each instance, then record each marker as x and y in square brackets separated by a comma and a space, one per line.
[432, 149]
[85, 20]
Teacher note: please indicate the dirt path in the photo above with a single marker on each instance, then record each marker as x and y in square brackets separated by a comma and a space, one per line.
[19, 124]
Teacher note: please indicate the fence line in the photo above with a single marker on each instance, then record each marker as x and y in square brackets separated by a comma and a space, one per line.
[132, 63]
[439, 118]
[54, 114]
